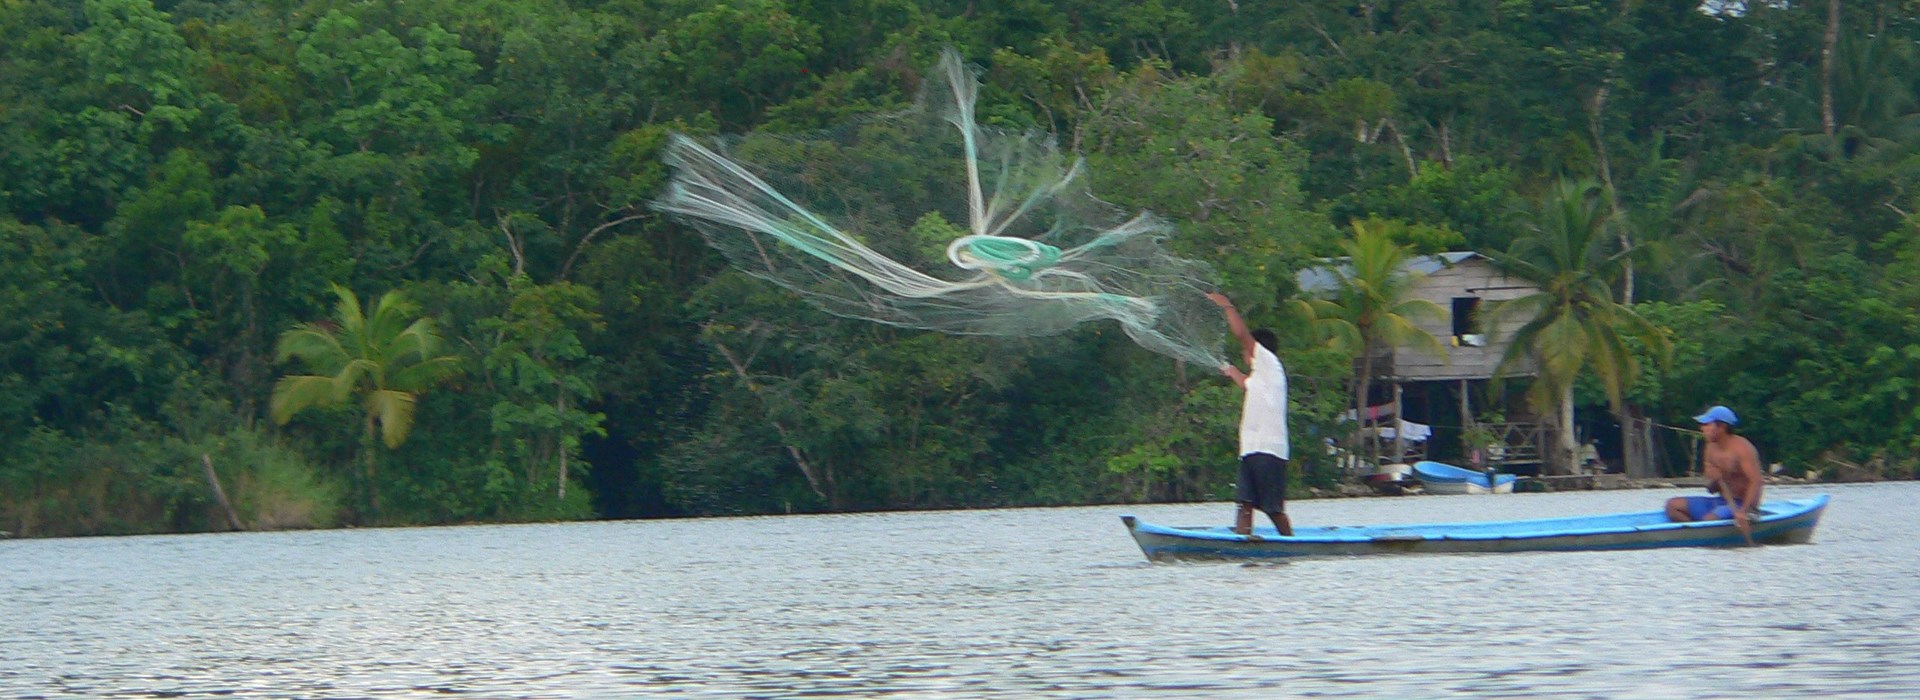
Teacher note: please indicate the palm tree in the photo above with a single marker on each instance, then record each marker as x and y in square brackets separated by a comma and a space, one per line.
[385, 360]
[1573, 322]
[1372, 307]
[1867, 110]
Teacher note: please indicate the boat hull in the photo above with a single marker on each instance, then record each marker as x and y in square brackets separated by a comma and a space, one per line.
[1441, 488]
[1446, 479]
[1788, 522]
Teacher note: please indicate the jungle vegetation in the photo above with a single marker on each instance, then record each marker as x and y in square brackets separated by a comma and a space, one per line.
[386, 262]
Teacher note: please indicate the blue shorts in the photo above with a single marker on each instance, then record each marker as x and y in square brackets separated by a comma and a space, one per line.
[1708, 508]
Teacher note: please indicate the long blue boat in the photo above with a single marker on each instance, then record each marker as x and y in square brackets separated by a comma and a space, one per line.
[1779, 522]
[1440, 478]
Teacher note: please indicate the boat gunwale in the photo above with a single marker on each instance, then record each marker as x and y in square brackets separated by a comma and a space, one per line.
[1790, 510]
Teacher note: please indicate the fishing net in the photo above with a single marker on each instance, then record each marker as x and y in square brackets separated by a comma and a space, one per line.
[926, 219]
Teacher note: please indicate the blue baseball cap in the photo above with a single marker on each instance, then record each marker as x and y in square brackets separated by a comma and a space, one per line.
[1718, 413]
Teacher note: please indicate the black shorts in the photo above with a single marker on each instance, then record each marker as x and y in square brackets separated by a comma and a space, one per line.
[1263, 482]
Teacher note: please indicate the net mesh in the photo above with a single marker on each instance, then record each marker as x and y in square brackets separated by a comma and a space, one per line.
[926, 219]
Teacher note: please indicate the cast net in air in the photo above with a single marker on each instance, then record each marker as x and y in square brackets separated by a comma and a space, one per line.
[926, 219]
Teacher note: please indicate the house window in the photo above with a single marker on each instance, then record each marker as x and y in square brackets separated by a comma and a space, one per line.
[1466, 319]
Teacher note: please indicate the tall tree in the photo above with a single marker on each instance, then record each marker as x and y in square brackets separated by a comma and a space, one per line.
[1573, 323]
[385, 359]
[1827, 44]
[538, 366]
[1372, 307]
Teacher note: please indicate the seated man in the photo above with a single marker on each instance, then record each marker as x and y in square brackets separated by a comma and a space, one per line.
[1732, 468]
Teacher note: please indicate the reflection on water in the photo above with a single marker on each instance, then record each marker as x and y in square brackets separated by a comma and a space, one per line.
[1013, 603]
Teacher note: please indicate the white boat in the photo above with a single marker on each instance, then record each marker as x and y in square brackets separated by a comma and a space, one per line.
[1446, 479]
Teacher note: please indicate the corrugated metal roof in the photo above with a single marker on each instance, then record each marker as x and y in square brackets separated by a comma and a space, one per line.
[1327, 277]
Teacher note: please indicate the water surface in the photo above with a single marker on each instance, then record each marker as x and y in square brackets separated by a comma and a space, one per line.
[1007, 603]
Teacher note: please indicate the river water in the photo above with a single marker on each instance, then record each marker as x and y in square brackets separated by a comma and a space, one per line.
[1003, 603]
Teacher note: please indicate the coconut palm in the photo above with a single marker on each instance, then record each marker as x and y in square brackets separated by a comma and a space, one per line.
[1372, 306]
[1572, 323]
[1875, 111]
[383, 360]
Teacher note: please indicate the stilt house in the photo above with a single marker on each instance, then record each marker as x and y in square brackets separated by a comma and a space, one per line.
[1422, 405]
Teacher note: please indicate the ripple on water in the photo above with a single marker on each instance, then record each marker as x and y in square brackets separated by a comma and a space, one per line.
[1013, 603]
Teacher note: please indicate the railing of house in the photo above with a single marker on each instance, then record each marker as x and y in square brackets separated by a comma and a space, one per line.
[1520, 443]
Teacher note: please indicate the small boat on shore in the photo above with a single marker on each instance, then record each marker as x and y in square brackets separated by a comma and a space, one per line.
[1445, 479]
[1781, 522]
[1391, 479]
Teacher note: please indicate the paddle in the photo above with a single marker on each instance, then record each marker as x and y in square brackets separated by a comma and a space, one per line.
[1745, 527]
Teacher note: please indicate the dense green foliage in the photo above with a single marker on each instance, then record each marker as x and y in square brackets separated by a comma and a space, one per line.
[181, 182]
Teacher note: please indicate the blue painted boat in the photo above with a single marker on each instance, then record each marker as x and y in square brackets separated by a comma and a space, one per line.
[1448, 479]
[1781, 522]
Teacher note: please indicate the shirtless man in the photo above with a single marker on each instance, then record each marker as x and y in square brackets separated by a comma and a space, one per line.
[1732, 470]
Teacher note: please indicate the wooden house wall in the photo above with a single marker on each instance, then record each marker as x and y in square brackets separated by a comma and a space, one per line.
[1473, 277]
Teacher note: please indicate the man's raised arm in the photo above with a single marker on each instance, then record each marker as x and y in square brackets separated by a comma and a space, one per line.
[1235, 324]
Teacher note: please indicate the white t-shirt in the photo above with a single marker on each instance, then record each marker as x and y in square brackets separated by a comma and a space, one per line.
[1263, 418]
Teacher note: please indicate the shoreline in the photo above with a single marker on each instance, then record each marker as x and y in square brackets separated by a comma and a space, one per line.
[1531, 484]
[1554, 484]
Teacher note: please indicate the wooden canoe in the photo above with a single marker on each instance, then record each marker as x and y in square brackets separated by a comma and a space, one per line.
[1781, 522]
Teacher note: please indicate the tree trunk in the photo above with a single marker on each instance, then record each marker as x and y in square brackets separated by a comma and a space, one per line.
[1406, 151]
[1568, 449]
[822, 487]
[1827, 123]
[250, 366]
[561, 493]
[220, 494]
[1467, 423]
[1362, 388]
[1596, 109]
[372, 448]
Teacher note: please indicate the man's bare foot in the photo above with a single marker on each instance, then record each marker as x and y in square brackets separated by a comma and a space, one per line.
[1253, 537]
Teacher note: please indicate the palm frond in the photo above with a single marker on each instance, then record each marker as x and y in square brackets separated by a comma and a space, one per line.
[316, 347]
[419, 339]
[1400, 330]
[1521, 346]
[392, 314]
[296, 393]
[353, 375]
[1417, 309]
[1331, 325]
[347, 313]
[394, 410]
[1613, 363]
[1524, 309]
[1561, 349]
[1371, 297]
[419, 376]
